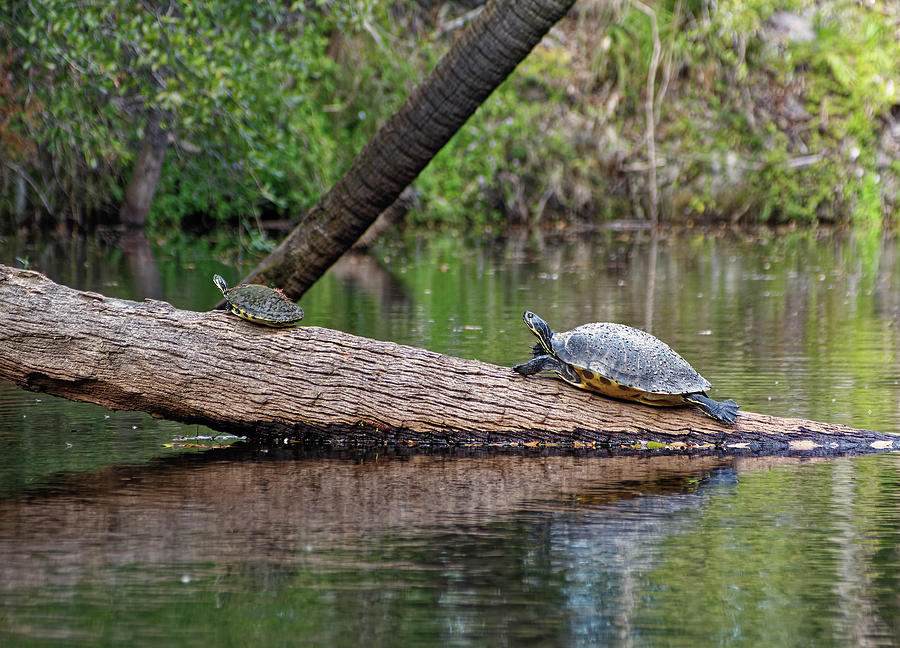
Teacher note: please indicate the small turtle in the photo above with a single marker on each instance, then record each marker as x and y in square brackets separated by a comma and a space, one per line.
[622, 362]
[260, 304]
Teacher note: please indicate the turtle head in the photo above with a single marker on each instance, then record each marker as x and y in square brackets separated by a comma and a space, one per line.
[219, 280]
[541, 330]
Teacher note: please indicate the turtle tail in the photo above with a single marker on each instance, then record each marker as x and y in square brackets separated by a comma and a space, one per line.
[723, 411]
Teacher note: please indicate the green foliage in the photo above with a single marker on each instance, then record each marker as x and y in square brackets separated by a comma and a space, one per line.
[731, 128]
[498, 139]
[511, 153]
[267, 103]
[868, 211]
[251, 96]
[845, 79]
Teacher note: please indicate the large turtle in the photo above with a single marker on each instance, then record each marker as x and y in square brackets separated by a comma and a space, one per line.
[622, 362]
[260, 304]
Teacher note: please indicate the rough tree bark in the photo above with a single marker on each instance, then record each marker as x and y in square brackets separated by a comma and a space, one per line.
[316, 384]
[484, 55]
[145, 176]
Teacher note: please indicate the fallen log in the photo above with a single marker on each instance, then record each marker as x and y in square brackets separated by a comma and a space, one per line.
[319, 385]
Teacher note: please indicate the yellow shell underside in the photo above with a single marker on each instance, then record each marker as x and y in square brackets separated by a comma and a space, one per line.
[601, 384]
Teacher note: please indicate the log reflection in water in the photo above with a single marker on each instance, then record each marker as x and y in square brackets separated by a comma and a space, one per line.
[213, 508]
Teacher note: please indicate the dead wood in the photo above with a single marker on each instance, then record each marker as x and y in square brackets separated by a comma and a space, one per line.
[316, 384]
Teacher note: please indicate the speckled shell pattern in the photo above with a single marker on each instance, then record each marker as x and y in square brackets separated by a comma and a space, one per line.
[263, 303]
[628, 356]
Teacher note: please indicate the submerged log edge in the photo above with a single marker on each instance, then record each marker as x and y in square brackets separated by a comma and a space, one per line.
[810, 443]
[319, 386]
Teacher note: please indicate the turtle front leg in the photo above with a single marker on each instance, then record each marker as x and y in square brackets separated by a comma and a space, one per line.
[539, 364]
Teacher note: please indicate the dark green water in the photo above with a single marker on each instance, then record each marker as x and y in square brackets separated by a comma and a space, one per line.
[115, 528]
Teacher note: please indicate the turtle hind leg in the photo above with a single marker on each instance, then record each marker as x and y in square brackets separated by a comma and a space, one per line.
[724, 411]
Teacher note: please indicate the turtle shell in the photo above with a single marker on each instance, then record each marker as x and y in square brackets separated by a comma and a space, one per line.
[260, 304]
[626, 362]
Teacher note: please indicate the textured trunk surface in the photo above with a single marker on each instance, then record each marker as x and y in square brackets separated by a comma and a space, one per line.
[317, 384]
[483, 56]
[145, 176]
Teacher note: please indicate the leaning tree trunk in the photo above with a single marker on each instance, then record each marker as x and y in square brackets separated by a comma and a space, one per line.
[483, 56]
[321, 385]
[146, 173]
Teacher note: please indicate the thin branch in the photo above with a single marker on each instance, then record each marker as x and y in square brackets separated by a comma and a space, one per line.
[668, 62]
[17, 169]
[648, 109]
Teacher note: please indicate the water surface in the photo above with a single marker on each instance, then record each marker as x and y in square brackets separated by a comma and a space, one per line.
[115, 527]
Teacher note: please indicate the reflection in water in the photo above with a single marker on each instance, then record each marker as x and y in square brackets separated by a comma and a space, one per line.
[141, 264]
[650, 299]
[457, 547]
[233, 503]
[103, 542]
[394, 549]
[854, 552]
[362, 272]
